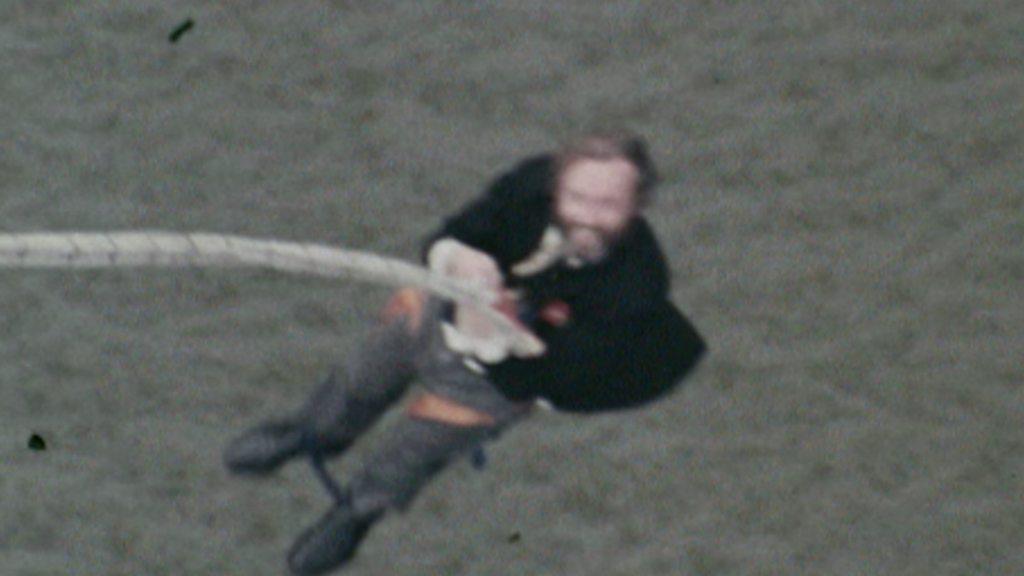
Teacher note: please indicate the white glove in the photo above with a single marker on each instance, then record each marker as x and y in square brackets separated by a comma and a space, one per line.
[473, 333]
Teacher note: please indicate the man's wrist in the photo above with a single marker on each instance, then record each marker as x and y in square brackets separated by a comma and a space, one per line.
[442, 252]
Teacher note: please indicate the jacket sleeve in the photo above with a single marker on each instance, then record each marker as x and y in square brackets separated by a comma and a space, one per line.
[485, 222]
[608, 365]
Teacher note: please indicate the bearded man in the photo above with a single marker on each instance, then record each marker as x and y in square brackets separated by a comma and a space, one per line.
[562, 237]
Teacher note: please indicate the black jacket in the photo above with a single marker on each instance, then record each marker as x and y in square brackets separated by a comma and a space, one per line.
[624, 344]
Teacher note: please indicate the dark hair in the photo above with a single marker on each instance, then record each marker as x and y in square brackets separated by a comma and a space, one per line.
[608, 145]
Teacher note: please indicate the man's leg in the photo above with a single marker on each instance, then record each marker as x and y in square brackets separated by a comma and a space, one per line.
[339, 409]
[414, 451]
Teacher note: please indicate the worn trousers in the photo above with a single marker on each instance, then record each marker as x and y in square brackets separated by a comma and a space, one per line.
[393, 357]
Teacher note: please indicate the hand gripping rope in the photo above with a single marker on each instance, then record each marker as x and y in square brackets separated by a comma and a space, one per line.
[167, 249]
[70, 250]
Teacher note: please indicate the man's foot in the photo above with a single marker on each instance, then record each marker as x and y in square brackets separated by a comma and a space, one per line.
[331, 542]
[263, 449]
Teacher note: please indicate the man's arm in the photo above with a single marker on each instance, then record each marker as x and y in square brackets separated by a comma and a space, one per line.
[608, 365]
[471, 244]
[487, 223]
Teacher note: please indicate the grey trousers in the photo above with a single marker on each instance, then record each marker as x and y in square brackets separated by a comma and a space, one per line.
[414, 450]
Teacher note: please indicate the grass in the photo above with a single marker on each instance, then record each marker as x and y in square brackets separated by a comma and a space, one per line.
[841, 212]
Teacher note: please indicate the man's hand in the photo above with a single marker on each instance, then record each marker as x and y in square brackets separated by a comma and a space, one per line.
[478, 268]
[474, 266]
[456, 260]
[477, 332]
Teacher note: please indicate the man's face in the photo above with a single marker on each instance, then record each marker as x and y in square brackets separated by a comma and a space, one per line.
[595, 202]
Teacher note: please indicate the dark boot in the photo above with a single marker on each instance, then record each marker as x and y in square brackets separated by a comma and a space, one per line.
[331, 542]
[327, 425]
[337, 412]
[261, 450]
[413, 452]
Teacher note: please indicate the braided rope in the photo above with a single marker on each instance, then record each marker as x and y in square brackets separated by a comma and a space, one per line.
[168, 249]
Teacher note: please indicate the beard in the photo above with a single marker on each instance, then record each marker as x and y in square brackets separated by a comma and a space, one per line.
[587, 244]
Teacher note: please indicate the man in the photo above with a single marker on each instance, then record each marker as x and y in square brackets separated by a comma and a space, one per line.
[561, 236]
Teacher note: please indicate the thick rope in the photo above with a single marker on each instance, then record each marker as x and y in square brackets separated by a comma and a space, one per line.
[167, 249]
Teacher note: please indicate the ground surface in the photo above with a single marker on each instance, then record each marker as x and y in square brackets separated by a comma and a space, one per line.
[842, 210]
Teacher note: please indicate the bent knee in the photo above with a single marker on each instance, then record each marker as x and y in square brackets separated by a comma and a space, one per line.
[406, 305]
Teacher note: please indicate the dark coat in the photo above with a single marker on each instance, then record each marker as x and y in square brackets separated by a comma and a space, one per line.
[624, 344]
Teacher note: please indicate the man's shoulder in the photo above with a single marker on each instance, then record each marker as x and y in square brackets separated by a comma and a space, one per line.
[634, 281]
[642, 259]
[642, 237]
[530, 178]
[537, 165]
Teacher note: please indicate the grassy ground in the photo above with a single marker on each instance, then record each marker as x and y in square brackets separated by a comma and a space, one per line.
[842, 211]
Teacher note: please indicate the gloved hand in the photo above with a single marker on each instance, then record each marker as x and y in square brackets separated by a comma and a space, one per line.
[476, 335]
[473, 332]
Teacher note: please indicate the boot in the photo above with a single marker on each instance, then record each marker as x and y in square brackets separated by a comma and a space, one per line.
[331, 542]
[263, 449]
[338, 411]
[332, 419]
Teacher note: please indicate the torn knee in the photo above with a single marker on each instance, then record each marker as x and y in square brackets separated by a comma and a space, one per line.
[406, 305]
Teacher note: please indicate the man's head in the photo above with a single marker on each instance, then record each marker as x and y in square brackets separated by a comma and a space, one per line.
[602, 182]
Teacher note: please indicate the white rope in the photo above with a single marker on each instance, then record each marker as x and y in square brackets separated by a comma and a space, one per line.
[168, 249]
